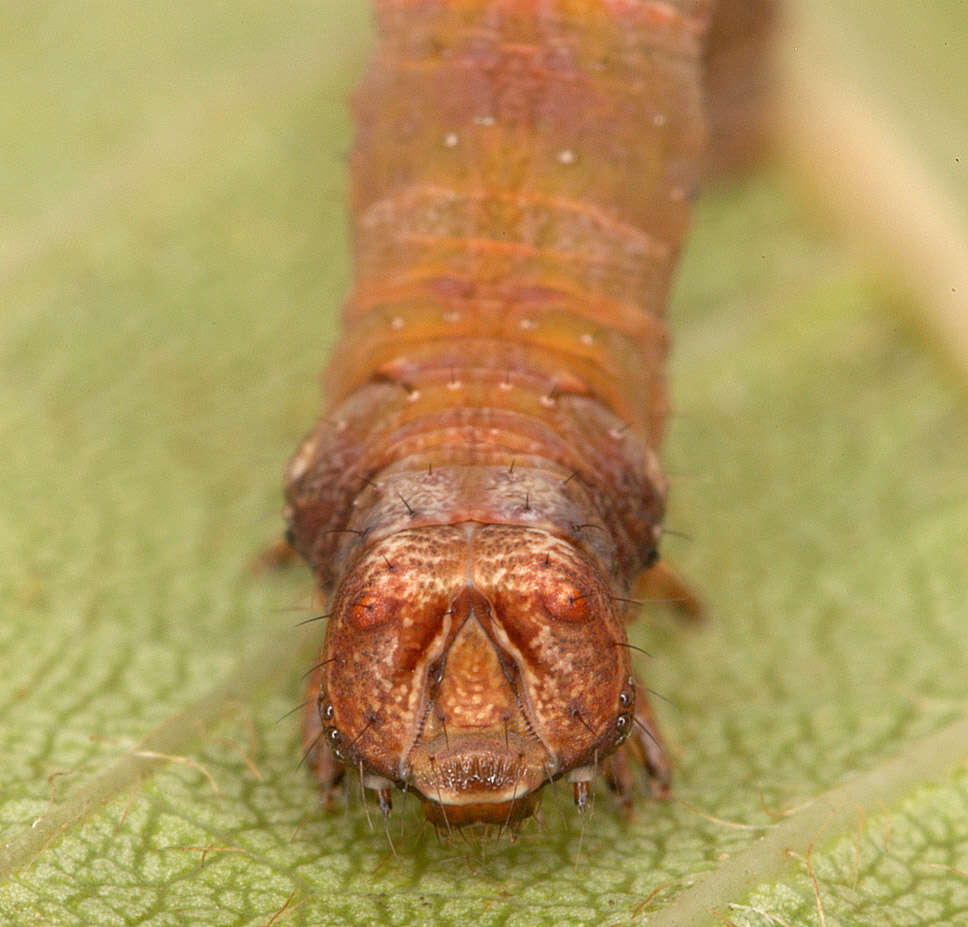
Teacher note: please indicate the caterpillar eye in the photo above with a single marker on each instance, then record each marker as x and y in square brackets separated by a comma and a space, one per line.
[335, 739]
[623, 727]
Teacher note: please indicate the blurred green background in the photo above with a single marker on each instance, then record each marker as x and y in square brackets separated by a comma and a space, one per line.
[172, 254]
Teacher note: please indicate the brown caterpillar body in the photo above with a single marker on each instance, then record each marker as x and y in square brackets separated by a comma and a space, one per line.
[484, 489]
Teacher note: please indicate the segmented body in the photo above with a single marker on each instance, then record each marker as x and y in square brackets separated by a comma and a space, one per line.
[484, 488]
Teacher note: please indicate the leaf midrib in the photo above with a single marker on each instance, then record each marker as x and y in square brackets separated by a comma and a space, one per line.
[830, 815]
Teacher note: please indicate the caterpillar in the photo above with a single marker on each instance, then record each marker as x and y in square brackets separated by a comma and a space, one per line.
[484, 491]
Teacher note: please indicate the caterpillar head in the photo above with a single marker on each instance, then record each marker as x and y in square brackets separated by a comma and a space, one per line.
[472, 664]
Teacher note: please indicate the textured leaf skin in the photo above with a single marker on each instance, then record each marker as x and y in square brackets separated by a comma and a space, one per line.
[160, 288]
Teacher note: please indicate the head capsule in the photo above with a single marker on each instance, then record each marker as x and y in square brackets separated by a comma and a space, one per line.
[472, 664]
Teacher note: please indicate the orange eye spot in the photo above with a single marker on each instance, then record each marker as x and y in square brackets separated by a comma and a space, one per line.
[368, 611]
[565, 602]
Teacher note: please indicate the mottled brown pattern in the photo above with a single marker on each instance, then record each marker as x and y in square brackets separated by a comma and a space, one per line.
[484, 490]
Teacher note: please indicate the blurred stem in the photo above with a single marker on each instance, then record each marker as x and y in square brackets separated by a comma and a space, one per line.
[872, 181]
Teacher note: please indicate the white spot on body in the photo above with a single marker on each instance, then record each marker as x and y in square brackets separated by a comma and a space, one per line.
[450, 140]
[659, 120]
[484, 120]
[527, 325]
[587, 339]
[300, 463]
[565, 156]
[397, 322]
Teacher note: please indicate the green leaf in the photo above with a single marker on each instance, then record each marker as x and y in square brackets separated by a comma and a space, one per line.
[172, 185]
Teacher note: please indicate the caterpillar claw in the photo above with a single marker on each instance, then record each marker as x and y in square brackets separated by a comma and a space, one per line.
[582, 793]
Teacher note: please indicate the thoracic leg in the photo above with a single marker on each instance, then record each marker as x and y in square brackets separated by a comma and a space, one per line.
[663, 584]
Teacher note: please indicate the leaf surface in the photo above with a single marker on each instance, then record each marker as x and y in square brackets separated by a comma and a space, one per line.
[172, 260]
